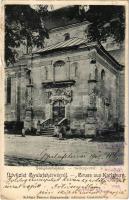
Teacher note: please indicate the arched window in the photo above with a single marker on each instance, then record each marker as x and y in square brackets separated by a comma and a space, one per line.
[96, 74]
[103, 75]
[103, 82]
[93, 61]
[60, 71]
[28, 76]
[74, 69]
[66, 36]
[46, 73]
[59, 63]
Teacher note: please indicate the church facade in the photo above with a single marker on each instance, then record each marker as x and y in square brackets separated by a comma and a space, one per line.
[69, 79]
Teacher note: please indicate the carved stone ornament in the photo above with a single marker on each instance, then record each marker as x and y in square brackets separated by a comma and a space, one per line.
[92, 99]
[28, 98]
[64, 95]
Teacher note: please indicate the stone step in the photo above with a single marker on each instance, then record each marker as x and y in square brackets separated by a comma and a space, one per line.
[52, 128]
[48, 135]
[47, 128]
[47, 131]
[41, 133]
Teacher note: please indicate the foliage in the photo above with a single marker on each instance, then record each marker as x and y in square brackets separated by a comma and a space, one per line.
[106, 21]
[23, 25]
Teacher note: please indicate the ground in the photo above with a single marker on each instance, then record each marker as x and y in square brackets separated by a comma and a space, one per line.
[44, 150]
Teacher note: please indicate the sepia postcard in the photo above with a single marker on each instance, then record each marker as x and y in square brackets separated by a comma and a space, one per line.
[64, 99]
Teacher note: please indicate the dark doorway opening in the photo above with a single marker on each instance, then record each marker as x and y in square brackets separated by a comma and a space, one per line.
[58, 111]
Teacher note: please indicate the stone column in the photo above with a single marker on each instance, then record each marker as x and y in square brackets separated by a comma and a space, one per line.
[68, 68]
[68, 98]
[67, 111]
[48, 110]
[53, 71]
[28, 121]
[28, 112]
[90, 126]
[18, 95]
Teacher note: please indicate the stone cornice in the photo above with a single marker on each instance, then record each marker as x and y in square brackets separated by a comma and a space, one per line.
[98, 48]
[87, 47]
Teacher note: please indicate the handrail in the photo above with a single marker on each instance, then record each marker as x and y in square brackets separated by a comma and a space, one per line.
[46, 122]
[43, 121]
[61, 128]
[63, 121]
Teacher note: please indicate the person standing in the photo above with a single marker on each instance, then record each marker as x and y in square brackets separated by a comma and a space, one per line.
[23, 132]
[38, 126]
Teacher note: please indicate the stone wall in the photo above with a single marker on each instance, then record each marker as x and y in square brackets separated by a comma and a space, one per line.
[10, 108]
[121, 97]
[106, 111]
[109, 92]
[15, 110]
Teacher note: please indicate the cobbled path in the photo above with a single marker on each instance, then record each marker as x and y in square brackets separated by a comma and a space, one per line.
[43, 150]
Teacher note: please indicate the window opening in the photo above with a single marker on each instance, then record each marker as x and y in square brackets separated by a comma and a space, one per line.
[9, 90]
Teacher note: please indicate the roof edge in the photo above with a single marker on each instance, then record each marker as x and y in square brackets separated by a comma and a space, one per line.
[96, 45]
[69, 26]
[101, 50]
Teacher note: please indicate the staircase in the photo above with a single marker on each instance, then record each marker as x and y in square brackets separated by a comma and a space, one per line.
[47, 127]
[47, 131]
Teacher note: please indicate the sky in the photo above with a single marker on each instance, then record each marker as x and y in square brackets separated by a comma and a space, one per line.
[50, 7]
[54, 7]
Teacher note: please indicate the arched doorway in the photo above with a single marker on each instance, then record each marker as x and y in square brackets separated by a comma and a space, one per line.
[58, 111]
